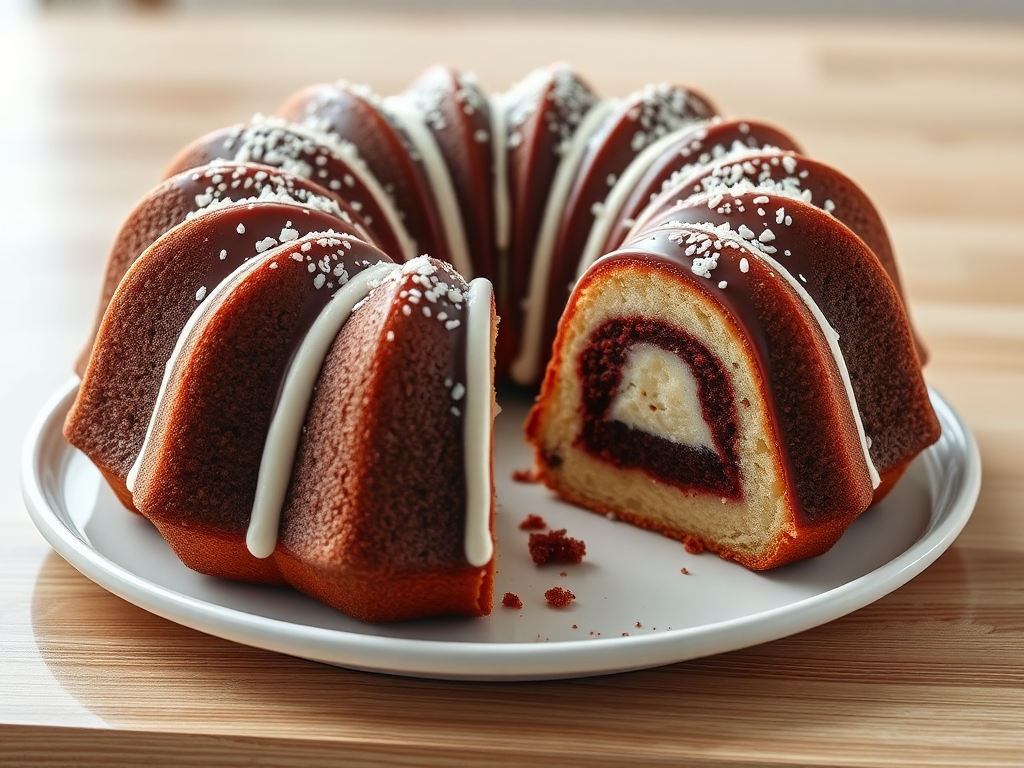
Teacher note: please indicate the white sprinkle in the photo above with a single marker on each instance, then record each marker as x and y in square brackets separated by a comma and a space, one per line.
[481, 136]
[426, 311]
[744, 265]
[240, 229]
[223, 255]
[273, 265]
[723, 285]
[265, 243]
[390, 336]
[456, 411]
[746, 232]
[305, 247]
[318, 281]
[451, 325]
[703, 265]
[789, 163]
[311, 267]
[829, 206]
[767, 236]
[406, 310]
[802, 278]
[761, 200]
[288, 235]
[458, 391]
[201, 293]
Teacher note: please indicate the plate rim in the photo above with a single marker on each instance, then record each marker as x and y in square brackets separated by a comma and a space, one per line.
[474, 660]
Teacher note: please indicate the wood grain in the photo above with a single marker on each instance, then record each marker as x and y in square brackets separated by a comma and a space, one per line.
[928, 118]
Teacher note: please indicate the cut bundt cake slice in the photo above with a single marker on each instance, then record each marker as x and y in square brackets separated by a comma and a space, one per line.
[698, 386]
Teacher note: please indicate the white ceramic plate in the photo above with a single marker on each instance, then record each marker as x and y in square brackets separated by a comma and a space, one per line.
[634, 608]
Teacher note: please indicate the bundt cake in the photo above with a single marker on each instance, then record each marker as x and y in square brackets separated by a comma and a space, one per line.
[271, 338]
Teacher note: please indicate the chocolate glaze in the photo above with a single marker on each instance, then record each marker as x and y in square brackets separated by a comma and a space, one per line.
[181, 196]
[278, 145]
[848, 283]
[148, 311]
[686, 467]
[819, 184]
[354, 114]
[699, 147]
[459, 115]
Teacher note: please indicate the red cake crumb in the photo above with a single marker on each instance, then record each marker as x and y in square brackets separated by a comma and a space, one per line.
[684, 572]
[639, 625]
[511, 600]
[558, 597]
[563, 574]
[556, 547]
[525, 476]
[533, 523]
[574, 626]
[693, 546]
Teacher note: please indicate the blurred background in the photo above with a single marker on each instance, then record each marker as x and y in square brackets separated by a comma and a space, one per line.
[920, 101]
[934, 8]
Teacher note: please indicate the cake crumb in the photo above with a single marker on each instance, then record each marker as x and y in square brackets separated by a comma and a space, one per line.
[639, 625]
[563, 574]
[556, 547]
[684, 572]
[693, 545]
[533, 523]
[511, 600]
[525, 475]
[574, 626]
[559, 598]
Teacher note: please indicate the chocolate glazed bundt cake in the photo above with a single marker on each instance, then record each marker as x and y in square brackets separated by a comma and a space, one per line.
[306, 302]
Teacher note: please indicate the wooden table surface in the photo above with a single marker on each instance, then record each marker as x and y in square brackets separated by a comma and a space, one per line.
[929, 119]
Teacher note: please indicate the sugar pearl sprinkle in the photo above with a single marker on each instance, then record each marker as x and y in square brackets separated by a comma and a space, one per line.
[308, 149]
[569, 99]
[328, 267]
[248, 185]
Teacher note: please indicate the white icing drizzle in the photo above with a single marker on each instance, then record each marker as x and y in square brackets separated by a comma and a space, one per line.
[478, 422]
[526, 367]
[286, 425]
[411, 119]
[211, 300]
[499, 144]
[609, 211]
